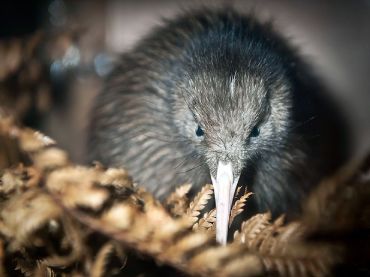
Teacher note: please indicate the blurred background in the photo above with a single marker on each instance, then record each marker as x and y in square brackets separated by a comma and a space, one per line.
[54, 54]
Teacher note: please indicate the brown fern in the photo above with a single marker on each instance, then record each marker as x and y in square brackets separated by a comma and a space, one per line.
[199, 202]
[207, 222]
[251, 228]
[177, 202]
[98, 268]
[51, 202]
[238, 206]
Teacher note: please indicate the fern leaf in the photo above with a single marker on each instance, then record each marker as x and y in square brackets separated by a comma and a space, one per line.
[177, 202]
[199, 202]
[238, 206]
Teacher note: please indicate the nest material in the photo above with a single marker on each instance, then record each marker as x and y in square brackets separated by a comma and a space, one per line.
[60, 219]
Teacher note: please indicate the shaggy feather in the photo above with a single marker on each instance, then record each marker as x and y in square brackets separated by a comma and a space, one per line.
[227, 74]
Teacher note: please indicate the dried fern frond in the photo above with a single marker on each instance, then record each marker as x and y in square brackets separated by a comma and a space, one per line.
[66, 183]
[238, 206]
[207, 222]
[116, 177]
[252, 227]
[50, 158]
[17, 180]
[82, 217]
[28, 217]
[72, 246]
[199, 202]
[177, 202]
[341, 203]
[101, 260]
[282, 249]
[301, 259]
[32, 141]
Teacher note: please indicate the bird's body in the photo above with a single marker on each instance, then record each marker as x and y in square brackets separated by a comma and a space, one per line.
[214, 90]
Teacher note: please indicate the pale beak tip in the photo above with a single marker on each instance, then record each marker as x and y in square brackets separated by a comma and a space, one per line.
[224, 186]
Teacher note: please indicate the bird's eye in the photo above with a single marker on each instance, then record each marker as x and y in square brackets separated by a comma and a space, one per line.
[199, 132]
[255, 132]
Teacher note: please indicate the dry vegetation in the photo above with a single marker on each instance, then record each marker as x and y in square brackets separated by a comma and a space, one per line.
[61, 219]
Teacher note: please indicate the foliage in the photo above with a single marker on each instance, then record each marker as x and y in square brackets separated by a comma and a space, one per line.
[60, 219]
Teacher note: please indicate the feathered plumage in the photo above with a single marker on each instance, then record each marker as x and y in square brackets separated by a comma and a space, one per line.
[214, 86]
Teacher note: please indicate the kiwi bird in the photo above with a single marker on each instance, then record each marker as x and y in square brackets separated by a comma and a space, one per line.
[216, 96]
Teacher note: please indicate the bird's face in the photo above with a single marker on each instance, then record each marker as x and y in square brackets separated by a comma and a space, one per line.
[230, 121]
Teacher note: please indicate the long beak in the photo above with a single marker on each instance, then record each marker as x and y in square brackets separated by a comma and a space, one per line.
[224, 186]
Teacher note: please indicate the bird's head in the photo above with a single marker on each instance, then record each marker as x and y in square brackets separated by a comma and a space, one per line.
[235, 101]
[230, 119]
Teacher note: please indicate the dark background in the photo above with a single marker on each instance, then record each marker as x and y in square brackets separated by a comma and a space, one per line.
[333, 35]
